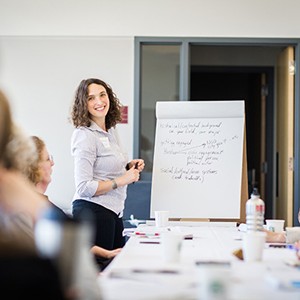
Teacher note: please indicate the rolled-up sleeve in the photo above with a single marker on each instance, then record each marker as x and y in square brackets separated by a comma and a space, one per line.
[83, 149]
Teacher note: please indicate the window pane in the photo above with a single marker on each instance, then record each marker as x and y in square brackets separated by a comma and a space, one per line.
[159, 82]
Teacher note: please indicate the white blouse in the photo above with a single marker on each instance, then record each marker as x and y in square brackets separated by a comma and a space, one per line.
[98, 156]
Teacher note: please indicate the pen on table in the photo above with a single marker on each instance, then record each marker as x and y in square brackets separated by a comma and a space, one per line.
[147, 234]
[280, 246]
[149, 242]
[292, 247]
[155, 271]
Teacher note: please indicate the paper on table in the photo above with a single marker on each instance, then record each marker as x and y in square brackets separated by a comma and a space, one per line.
[284, 280]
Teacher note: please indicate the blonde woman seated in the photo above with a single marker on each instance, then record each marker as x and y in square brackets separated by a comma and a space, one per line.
[40, 174]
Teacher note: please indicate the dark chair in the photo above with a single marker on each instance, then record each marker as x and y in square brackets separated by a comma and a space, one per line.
[29, 277]
[137, 202]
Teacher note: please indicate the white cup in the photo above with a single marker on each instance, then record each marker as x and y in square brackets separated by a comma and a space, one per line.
[171, 243]
[213, 281]
[275, 225]
[253, 245]
[161, 218]
[292, 234]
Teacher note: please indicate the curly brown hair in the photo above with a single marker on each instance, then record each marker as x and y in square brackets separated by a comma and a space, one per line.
[79, 113]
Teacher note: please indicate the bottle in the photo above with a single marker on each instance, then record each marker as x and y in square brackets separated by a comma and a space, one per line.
[255, 212]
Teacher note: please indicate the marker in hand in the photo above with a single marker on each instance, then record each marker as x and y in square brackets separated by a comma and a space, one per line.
[136, 166]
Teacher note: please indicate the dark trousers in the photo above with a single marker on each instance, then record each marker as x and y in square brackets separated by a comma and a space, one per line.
[107, 225]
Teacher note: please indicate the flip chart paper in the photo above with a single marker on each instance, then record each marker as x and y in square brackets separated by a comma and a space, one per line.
[197, 166]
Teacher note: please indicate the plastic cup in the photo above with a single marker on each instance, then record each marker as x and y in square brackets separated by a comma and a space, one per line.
[253, 245]
[161, 218]
[275, 225]
[214, 281]
[292, 234]
[171, 243]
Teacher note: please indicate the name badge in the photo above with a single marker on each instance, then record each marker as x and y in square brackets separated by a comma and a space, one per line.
[105, 142]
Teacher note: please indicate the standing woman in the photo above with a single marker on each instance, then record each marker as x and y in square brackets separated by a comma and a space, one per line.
[102, 171]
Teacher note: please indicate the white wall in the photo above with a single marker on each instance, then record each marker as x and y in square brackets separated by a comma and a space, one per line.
[47, 47]
[213, 18]
[40, 76]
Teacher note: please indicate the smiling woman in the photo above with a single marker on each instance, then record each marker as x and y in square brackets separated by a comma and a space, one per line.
[102, 171]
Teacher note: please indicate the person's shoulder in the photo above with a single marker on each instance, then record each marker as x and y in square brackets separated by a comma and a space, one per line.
[113, 129]
[22, 219]
[84, 137]
[81, 131]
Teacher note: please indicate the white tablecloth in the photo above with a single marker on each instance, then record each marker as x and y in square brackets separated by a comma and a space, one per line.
[139, 271]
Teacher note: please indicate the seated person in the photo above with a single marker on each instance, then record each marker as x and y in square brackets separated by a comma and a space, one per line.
[17, 214]
[21, 208]
[276, 237]
[283, 237]
[40, 174]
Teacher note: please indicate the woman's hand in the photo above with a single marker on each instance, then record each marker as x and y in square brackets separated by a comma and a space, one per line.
[113, 253]
[297, 248]
[138, 164]
[102, 252]
[132, 175]
[275, 237]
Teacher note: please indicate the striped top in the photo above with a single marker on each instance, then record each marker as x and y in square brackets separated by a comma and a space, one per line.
[98, 156]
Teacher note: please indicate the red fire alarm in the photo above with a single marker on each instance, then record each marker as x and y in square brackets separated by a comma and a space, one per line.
[124, 115]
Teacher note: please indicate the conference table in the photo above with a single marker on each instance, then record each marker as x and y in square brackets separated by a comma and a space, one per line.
[139, 271]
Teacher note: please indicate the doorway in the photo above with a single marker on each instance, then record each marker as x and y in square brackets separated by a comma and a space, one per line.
[245, 83]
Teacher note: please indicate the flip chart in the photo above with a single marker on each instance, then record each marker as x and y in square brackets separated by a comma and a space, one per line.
[198, 155]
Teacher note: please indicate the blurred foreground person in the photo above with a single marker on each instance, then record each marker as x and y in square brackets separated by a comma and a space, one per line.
[43, 254]
[22, 271]
[20, 205]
